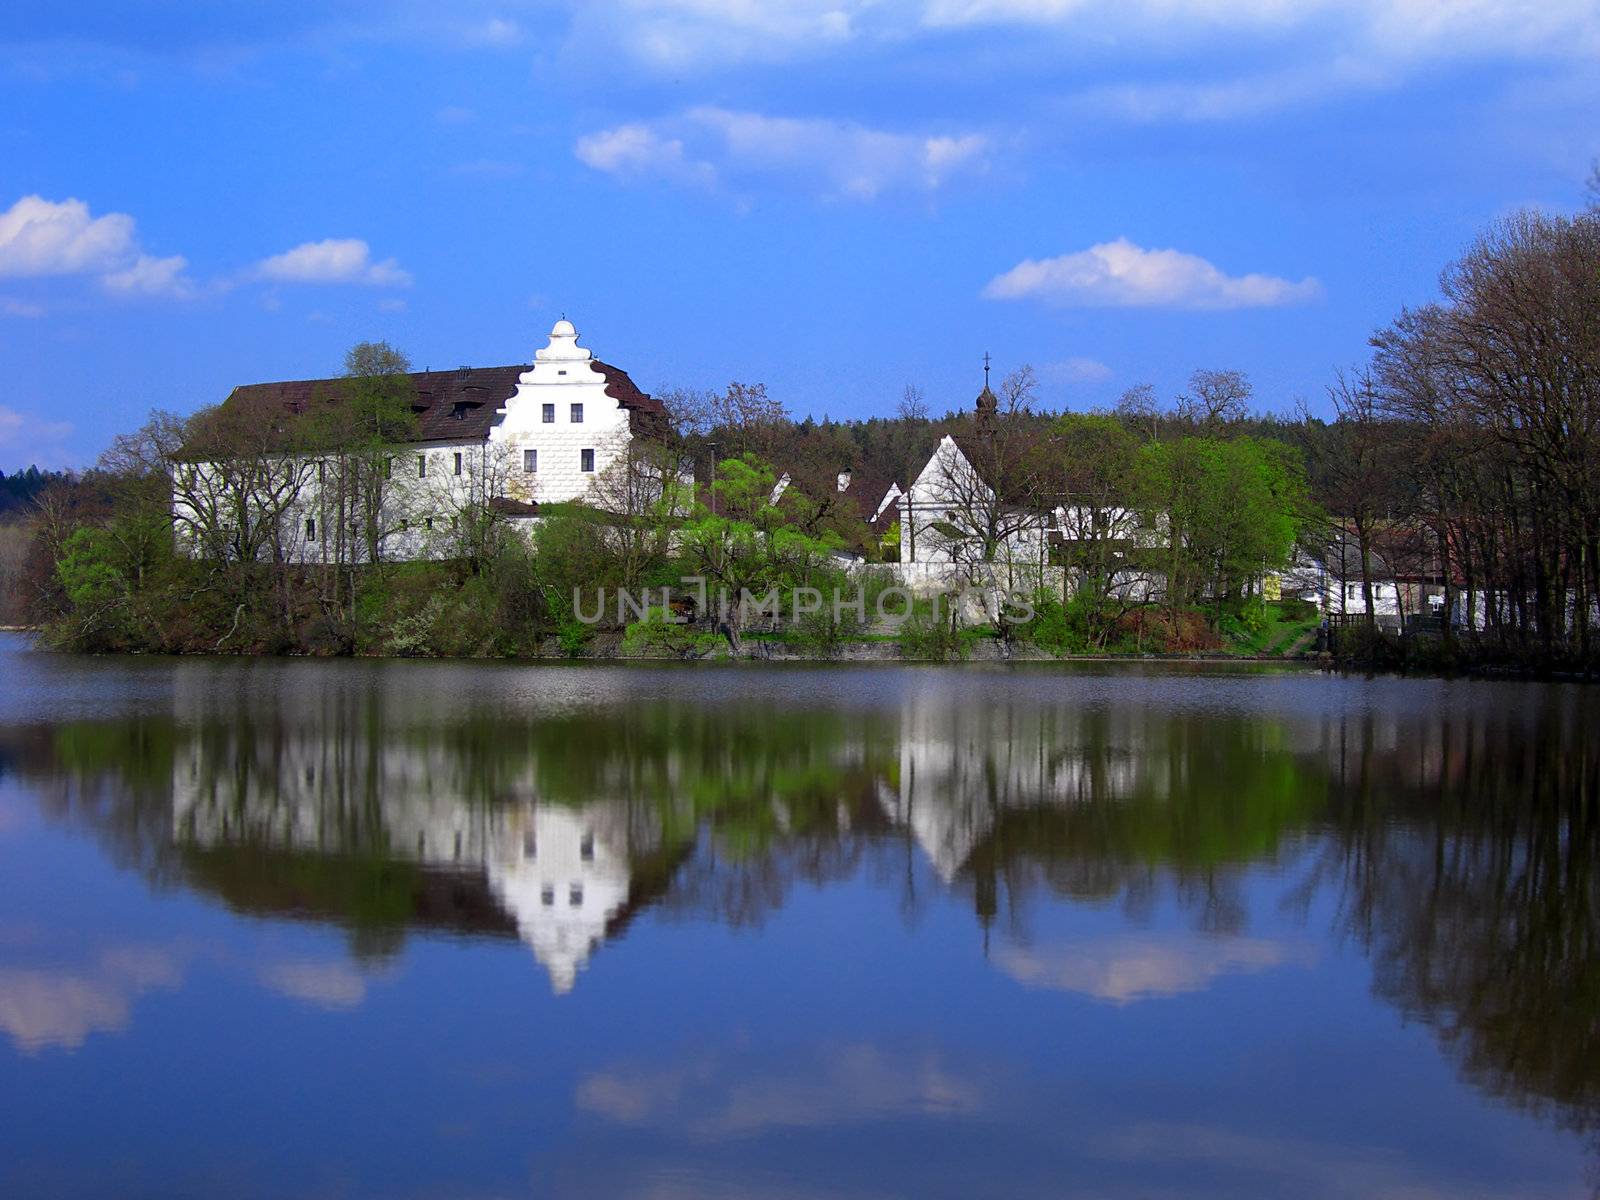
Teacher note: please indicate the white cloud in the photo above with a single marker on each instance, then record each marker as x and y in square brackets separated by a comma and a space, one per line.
[52, 1008]
[46, 237]
[332, 985]
[836, 159]
[716, 1096]
[1120, 274]
[636, 151]
[40, 237]
[492, 31]
[681, 33]
[10, 306]
[25, 429]
[149, 276]
[1124, 969]
[1389, 28]
[1177, 60]
[332, 260]
[1077, 369]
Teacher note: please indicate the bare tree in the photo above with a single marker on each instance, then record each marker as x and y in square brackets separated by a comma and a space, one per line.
[1019, 389]
[646, 492]
[1215, 397]
[1358, 471]
[1138, 406]
[912, 406]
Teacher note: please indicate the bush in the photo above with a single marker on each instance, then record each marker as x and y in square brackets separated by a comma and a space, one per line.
[660, 633]
[1059, 628]
[935, 638]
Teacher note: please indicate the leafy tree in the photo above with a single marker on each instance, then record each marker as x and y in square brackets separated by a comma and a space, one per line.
[1225, 510]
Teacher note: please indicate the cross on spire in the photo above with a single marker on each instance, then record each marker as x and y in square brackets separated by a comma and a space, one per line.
[986, 370]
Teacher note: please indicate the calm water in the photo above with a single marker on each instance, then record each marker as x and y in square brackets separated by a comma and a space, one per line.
[451, 930]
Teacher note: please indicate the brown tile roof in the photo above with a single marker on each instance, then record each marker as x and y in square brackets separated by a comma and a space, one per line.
[507, 507]
[459, 405]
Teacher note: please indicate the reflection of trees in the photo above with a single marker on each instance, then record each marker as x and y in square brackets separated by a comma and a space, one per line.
[1120, 805]
[1460, 840]
[1466, 862]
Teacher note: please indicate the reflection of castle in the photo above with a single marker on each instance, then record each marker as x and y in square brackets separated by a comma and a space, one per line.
[560, 873]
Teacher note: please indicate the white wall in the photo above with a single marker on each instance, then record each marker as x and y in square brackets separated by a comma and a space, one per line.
[563, 374]
[421, 509]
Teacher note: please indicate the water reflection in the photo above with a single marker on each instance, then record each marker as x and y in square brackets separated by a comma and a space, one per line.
[1451, 833]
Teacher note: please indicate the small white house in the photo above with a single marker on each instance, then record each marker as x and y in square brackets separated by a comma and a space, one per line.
[1329, 576]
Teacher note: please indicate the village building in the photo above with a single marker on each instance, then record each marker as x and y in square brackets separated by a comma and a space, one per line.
[957, 524]
[512, 437]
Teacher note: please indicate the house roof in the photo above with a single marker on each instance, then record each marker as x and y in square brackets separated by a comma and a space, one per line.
[459, 405]
[868, 495]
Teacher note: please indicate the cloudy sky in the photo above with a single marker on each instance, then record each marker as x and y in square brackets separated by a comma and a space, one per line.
[835, 197]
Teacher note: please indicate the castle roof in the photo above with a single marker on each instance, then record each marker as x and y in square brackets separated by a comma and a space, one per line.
[458, 405]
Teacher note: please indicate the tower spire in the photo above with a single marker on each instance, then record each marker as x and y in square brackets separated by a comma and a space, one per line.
[986, 370]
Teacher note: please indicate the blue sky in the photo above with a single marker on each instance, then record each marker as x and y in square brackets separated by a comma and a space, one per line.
[834, 197]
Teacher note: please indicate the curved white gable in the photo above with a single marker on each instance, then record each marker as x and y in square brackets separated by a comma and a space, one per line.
[563, 374]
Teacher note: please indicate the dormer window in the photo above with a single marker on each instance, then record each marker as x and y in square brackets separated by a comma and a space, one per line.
[577, 414]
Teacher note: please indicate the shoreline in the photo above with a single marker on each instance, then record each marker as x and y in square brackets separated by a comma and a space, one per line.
[885, 654]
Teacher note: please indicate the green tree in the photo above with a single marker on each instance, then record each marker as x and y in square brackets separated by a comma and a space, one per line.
[1225, 511]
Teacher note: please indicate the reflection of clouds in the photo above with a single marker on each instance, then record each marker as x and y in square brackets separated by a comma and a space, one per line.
[1131, 967]
[714, 1098]
[44, 1007]
[12, 817]
[325, 984]
[1265, 1164]
[704, 1181]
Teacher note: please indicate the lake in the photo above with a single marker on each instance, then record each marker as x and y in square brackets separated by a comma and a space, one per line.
[442, 929]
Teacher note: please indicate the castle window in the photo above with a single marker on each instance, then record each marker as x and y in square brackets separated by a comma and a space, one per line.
[530, 845]
[311, 529]
[586, 847]
[547, 895]
[422, 466]
[549, 414]
[586, 460]
[530, 462]
[458, 462]
[427, 522]
[577, 414]
[575, 895]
